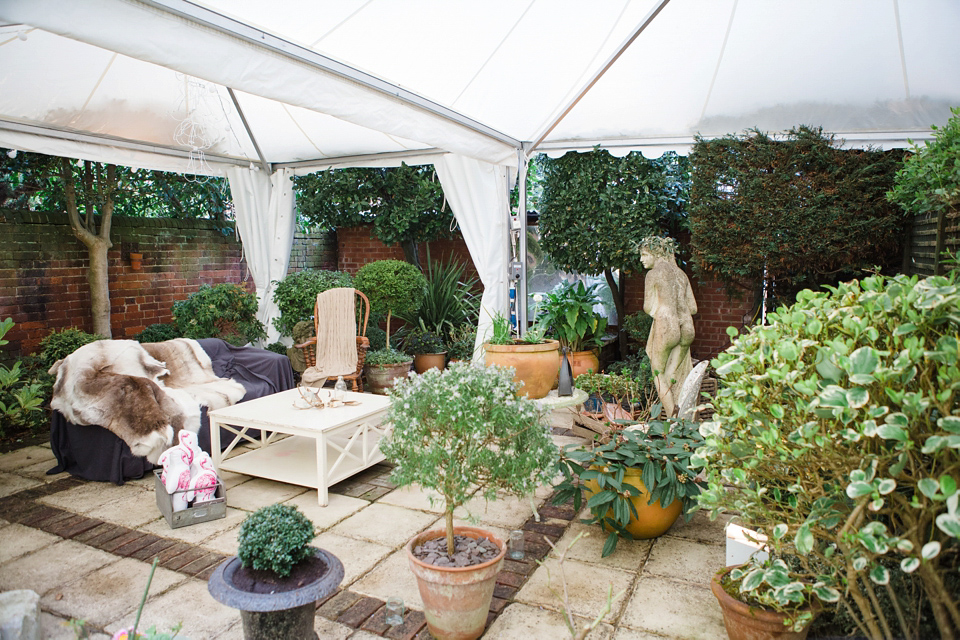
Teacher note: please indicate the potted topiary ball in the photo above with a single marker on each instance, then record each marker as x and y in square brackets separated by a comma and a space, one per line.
[276, 578]
[453, 430]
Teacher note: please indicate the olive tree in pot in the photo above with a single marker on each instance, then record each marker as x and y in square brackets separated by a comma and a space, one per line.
[276, 578]
[392, 286]
[452, 430]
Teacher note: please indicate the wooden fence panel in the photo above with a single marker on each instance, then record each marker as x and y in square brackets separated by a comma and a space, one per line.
[933, 233]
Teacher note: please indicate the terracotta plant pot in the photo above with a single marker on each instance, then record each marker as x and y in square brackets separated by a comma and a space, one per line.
[744, 622]
[536, 365]
[583, 361]
[652, 520]
[381, 377]
[286, 614]
[424, 361]
[136, 260]
[456, 600]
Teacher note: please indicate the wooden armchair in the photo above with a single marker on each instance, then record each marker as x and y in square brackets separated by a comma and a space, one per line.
[309, 348]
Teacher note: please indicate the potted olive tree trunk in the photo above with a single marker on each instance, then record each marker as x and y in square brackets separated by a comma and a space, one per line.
[276, 579]
[454, 429]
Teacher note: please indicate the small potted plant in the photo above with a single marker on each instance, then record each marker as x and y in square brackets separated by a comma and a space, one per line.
[276, 578]
[638, 482]
[764, 599]
[453, 430]
[568, 314]
[427, 349]
[535, 360]
[461, 343]
[613, 397]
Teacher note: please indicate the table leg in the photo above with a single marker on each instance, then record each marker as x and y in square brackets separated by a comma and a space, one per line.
[323, 497]
[215, 444]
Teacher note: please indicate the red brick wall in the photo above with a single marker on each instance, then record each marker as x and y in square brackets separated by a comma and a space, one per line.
[716, 311]
[43, 272]
[356, 246]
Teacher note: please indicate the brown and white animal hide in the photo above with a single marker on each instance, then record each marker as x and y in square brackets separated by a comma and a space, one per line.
[118, 385]
[191, 370]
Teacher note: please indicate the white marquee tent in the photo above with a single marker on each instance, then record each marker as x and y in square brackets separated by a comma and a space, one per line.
[259, 91]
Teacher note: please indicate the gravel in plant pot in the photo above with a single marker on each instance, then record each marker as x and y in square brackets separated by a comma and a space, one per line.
[276, 578]
[454, 430]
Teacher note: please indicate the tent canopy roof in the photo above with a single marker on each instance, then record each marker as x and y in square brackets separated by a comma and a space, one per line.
[311, 84]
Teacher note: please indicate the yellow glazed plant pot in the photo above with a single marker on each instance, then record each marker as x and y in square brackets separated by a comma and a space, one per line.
[652, 520]
[536, 365]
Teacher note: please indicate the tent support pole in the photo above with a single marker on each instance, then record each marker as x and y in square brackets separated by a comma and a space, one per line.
[243, 119]
[522, 212]
[596, 76]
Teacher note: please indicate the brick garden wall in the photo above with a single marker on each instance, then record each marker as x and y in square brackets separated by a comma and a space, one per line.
[43, 271]
[356, 246]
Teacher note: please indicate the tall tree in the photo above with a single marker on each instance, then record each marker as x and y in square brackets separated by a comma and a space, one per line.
[99, 185]
[405, 204]
[596, 208]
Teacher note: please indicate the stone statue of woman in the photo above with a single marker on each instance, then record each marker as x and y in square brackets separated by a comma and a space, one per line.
[668, 299]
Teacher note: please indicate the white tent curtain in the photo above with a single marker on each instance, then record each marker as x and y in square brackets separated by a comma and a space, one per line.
[266, 222]
[477, 193]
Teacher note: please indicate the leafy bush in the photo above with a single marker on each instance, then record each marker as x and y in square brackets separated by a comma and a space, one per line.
[385, 357]
[461, 342]
[377, 337]
[392, 286]
[20, 400]
[637, 325]
[797, 211]
[296, 295]
[277, 347]
[838, 427]
[275, 538]
[448, 299]
[567, 314]
[59, 344]
[930, 179]
[158, 333]
[422, 341]
[226, 311]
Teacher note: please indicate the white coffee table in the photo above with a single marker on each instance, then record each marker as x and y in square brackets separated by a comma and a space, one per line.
[326, 445]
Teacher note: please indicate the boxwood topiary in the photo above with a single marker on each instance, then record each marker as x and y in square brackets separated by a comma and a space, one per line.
[393, 286]
[275, 538]
[59, 344]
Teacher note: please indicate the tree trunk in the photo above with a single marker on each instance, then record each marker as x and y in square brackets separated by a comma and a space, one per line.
[617, 292]
[411, 252]
[97, 276]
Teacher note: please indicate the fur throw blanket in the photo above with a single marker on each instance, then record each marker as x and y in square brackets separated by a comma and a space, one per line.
[145, 394]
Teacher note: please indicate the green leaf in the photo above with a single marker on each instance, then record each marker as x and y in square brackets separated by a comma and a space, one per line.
[609, 546]
[858, 489]
[949, 524]
[864, 360]
[825, 593]
[933, 444]
[803, 541]
[949, 423]
[880, 575]
[948, 486]
[892, 432]
[752, 580]
[909, 565]
[930, 550]
[904, 329]
[789, 351]
[928, 487]
[857, 397]
[779, 531]
[887, 485]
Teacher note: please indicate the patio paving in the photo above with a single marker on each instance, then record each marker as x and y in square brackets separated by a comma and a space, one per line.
[86, 548]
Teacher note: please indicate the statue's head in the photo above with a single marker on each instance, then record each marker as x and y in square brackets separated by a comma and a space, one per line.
[653, 248]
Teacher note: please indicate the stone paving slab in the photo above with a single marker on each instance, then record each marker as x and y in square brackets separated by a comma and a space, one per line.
[629, 555]
[136, 509]
[17, 540]
[25, 457]
[11, 483]
[414, 497]
[57, 564]
[385, 524]
[107, 593]
[701, 528]
[357, 556]
[685, 560]
[525, 622]
[506, 512]
[588, 582]
[674, 609]
[87, 497]
[390, 578]
[189, 603]
[260, 492]
[56, 628]
[198, 533]
[339, 508]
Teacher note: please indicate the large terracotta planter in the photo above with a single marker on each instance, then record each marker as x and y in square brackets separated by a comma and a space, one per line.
[424, 361]
[381, 377]
[744, 622]
[652, 520]
[286, 614]
[584, 361]
[456, 600]
[536, 365]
